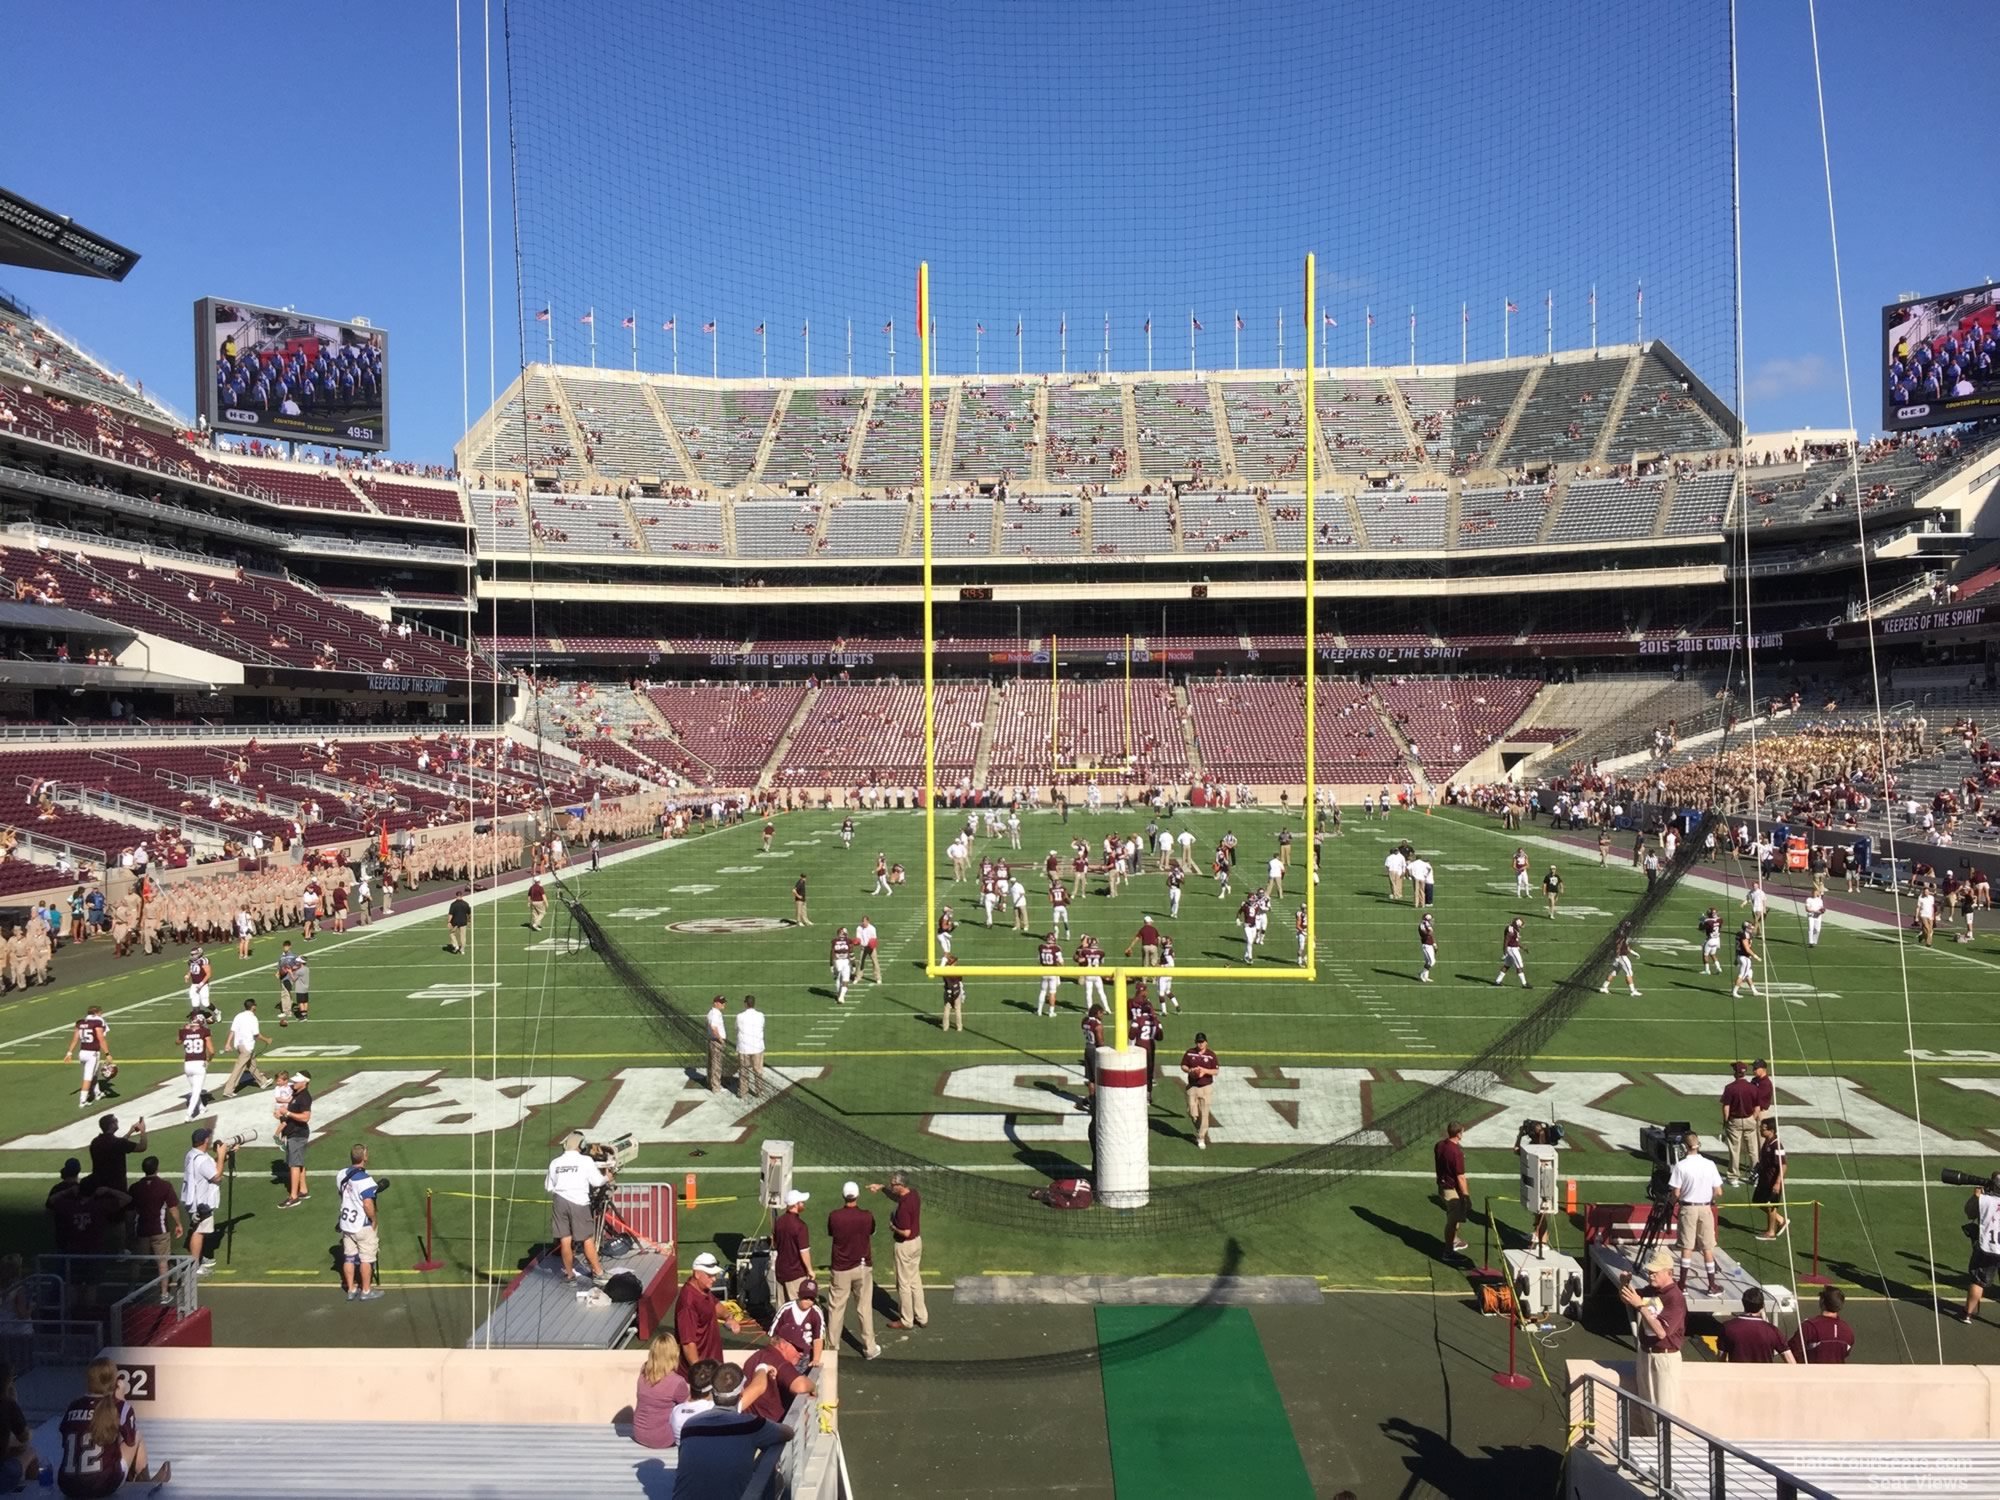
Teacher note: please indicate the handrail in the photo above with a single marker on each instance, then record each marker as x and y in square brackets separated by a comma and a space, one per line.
[1665, 1424]
[27, 841]
[112, 499]
[184, 823]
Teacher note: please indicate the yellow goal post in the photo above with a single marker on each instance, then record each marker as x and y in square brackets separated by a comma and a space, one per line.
[1120, 974]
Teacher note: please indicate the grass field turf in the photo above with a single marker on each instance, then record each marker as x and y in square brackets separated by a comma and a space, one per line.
[394, 1030]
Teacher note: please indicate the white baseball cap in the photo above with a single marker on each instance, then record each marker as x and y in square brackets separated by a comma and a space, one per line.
[794, 1198]
[850, 1190]
[707, 1264]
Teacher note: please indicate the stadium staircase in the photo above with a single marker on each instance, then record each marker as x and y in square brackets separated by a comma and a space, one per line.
[989, 727]
[1454, 511]
[779, 406]
[728, 507]
[621, 496]
[1038, 448]
[857, 439]
[1185, 712]
[1225, 441]
[1087, 515]
[1401, 407]
[945, 437]
[1411, 768]
[663, 732]
[1265, 528]
[1558, 496]
[1615, 413]
[579, 444]
[1504, 433]
[1128, 411]
[689, 474]
[1668, 493]
[767, 774]
[227, 646]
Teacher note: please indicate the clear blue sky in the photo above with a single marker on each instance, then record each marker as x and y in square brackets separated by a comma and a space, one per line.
[723, 162]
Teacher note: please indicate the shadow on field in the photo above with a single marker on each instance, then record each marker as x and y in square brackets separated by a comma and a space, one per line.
[1438, 1467]
[1872, 1279]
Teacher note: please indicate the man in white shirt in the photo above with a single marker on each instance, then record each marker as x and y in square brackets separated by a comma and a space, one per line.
[570, 1178]
[360, 1244]
[243, 1039]
[1397, 866]
[718, 1038]
[1422, 877]
[1983, 1210]
[868, 942]
[749, 1049]
[1697, 1185]
[201, 1191]
[1274, 877]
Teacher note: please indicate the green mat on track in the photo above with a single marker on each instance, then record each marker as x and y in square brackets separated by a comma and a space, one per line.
[1191, 1406]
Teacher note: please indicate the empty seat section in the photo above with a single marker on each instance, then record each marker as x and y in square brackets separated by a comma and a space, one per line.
[1220, 523]
[1609, 510]
[874, 732]
[1566, 411]
[1510, 517]
[721, 429]
[1086, 440]
[1041, 526]
[810, 446]
[733, 728]
[996, 431]
[1267, 428]
[1176, 429]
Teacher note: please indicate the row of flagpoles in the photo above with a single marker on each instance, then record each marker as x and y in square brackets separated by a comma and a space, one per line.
[1328, 322]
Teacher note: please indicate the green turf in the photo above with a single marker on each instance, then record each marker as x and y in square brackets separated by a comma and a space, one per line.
[462, 1093]
[1213, 1352]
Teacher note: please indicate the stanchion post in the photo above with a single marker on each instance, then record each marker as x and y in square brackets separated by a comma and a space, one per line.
[1486, 1267]
[430, 1262]
[1815, 1279]
[1511, 1379]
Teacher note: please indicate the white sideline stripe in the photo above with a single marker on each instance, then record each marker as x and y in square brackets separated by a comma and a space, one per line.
[395, 923]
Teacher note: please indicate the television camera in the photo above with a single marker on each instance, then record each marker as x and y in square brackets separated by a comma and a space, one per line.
[1952, 1177]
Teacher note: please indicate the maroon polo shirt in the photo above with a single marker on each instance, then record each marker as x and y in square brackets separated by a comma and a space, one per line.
[1673, 1316]
[1767, 1092]
[151, 1198]
[1450, 1158]
[907, 1221]
[694, 1323]
[1750, 1341]
[777, 1393]
[791, 1240]
[852, 1231]
[1823, 1340]
[1739, 1099]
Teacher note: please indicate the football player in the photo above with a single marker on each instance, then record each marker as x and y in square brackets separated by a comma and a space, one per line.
[197, 1047]
[1052, 959]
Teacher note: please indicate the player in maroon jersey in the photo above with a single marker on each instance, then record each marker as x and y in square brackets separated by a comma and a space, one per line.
[1093, 1038]
[197, 1047]
[1058, 907]
[90, 1041]
[1051, 958]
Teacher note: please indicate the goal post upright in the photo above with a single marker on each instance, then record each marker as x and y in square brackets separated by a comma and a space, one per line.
[1312, 634]
[930, 630]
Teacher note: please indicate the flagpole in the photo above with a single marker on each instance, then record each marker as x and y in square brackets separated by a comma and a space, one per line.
[1639, 312]
[1507, 331]
[1593, 317]
[1237, 357]
[1149, 343]
[1413, 337]
[1322, 344]
[1464, 327]
[808, 331]
[978, 347]
[1107, 344]
[1281, 340]
[1064, 337]
[763, 350]
[633, 324]
[1550, 304]
[551, 309]
[1019, 365]
[1368, 340]
[850, 348]
[892, 348]
[1192, 366]
[714, 343]
[592, 321]
[677, 343]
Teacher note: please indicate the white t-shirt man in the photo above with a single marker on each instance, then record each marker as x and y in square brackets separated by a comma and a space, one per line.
[1987, 1225]
[678, 1417]
[1420, 870]
[1396, 865]
[1696, 1180]
[571, 1176]
[199, 1187]
[243, 1031]
[750, 1032]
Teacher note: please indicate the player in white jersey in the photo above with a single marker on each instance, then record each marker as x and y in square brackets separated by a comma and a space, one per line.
[199, 972]
[1176, 878]
[1166, 981]
[1051, 957]
[1758, 903]
[1816, 914]
[841, 956]
[1521, 873]
[196, 1049]
[1261, 905]
[881, 875]
[1013, 829]
[1090, 955]
[947, 924]
[1621, 963]
[989, 896]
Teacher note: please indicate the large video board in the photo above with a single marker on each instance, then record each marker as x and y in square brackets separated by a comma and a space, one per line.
[291, 376]
[1941, 359]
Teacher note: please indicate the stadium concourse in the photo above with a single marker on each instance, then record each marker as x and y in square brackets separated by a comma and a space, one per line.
[639, 605]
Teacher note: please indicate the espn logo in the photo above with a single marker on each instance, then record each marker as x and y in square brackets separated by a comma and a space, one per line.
[1910, 413]
[237, 414]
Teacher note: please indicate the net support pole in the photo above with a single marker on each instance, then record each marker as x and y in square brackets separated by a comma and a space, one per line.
[1121, 1173]
[1312, 627]
[932, 956]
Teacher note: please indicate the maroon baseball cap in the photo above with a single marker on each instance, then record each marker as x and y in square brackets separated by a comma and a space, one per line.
[1738, 1069]
[809, 1288]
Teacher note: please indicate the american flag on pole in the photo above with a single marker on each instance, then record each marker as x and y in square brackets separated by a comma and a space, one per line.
[1017, 328]
[1239, 322]
[628, 322]
[890, 326]
[709, 326]
[979, 328]
[1642, 294]
[589, 317]
[1371, 320]
[1149, 325]
[1511, 307]
[668, 326]
[1329, 320]
[1064, 330]
[1196, 321]
[542, 316]
[758, 330]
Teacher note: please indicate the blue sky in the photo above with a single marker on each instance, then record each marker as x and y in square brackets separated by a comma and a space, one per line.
[758, 162]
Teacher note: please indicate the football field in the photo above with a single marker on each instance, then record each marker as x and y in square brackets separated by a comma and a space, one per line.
[461, 1072]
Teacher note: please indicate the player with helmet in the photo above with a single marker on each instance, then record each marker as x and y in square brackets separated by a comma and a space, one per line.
[1052, 958]
[1621, 963]
[1089, 955]
[1711, 941]
[199, 973]
[90, 1042]
[197, 1047]
[947, 924]
[840, 955]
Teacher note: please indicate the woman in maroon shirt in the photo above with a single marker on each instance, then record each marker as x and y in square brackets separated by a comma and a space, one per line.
[101, 1446]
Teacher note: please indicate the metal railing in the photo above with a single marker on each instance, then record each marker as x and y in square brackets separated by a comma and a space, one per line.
[1649, 1444]
[174, 1293]
[192, 520]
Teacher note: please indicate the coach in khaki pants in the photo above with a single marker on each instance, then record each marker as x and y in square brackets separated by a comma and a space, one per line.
[718, 1039]
[852, 1230]
[907, 1225]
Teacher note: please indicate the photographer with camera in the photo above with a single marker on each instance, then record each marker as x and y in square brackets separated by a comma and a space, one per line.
[201, 1188]
[1982, 1212]
[1661, 1315]
[570, 1180]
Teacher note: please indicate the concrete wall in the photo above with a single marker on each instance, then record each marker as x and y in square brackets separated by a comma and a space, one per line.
[1834, 1403]
[155, 653]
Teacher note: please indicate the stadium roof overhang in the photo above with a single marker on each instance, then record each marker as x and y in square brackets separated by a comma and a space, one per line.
[54, 619]
[43, 240]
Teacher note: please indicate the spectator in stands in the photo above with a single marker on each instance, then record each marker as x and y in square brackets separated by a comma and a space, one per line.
[19, 1463]
[1827, 1339]
[701, 1395]
[101, 1446]
[662, 1388]
[727, 1453]
[773, 1376]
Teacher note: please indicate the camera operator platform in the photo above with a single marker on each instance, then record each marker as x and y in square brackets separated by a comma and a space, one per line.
[1620, 1236]
[633, 1227]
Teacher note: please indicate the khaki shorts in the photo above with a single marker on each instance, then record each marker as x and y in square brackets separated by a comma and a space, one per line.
[156, 1245]
[571, 1221]
[201, 1220]
[361, 1244]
